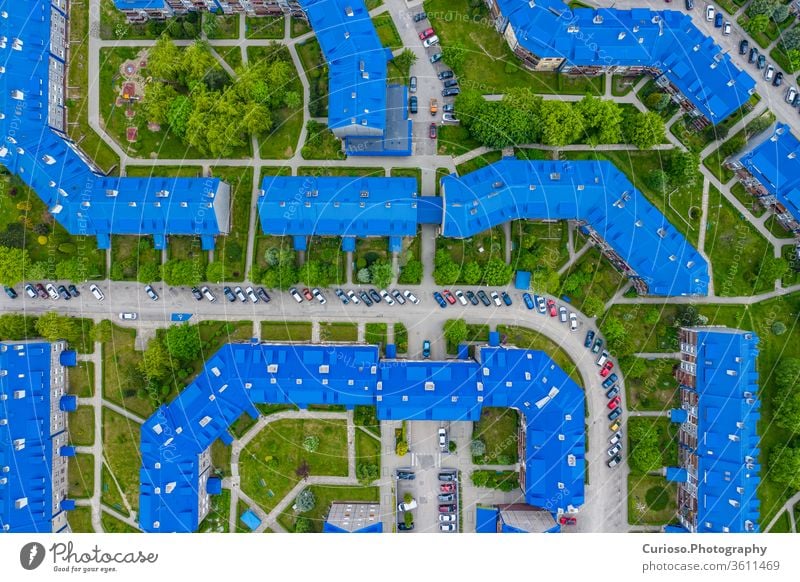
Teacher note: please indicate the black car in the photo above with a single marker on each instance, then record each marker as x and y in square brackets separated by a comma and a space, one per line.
[472, 298]
[413, 104]
[743, 47]
[197, 294]
[447, 476]
[587, 343]
[484, 298]
[751, 58]
[406, 475]
[761, 62]
[778, 80]
[10, 292]
[64, 293]
[365, 298]
[448, 74]
[263, 295]
[342, 297]
[448, 108]
[506, 298]
[451, 83]
[689, 4]
[446, 497]
[451, 92]
[228, 294]
[435, 58]
[614, 414]
[401, 526]
[398, 297]
[73, 290]
[376, 297]
[420, 16]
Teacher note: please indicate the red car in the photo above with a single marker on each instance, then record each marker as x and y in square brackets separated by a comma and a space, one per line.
[551, 305]
[307, 294]
[425, 33]
[565, 520]
[432, 131]
[609, 365]
[613, 403]
[449, 296]
[447, 488]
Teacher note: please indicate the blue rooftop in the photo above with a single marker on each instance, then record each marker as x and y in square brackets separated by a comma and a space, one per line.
[36, 148]
[775, 164]
[338, 206]
[250, 519]
[723, 459]
[592, 191]
[140, 4]
[239, 375]
[33, 439]
[665, 40]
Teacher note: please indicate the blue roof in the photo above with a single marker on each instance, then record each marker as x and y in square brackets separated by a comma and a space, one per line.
[140, 4]
[338, 206]
[250, 519]
[376, 527]
[486, 519]
[523, 280]
[238, 375]
[726, 450]
[662, 39]
[775, 164]
[592, 191]
[27, 448]
[36, 148]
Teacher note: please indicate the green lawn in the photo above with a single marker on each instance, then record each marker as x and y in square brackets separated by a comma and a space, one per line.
[775, 227]
[736, 250]
[111, 495]
[270, 462]
[387, 31]
[409, 173]
[792, 275]
[338, 171]
[264, 27]
[316, 71]
[321, 144]
[401, 338]
[230, 54]
[325, 495]
[651, 500]
[231, 249]
[529, 339]
[81, 476]
[498, 429]
[226, 25]
[338, 331]
[121, 451]
[368, 251]
[375, 333]
[650, 88]
[603, 279]
[81, 380]
[454, 140]
[299, 27]
[328, 249]
[221, 454]
[551, 240]
[122, 381]
[112, 525]
[114, 26]
[440, 173]
[217, 520]
[187, 248]
[621, 85]
[479, 162]
[655, 388]
[748, 201]
[368, 449]
[164, 171]
[366, 416]
[782, 525]
[81, 426]
[264, 243]
[128, 253]
[80, 520]
[286, 331]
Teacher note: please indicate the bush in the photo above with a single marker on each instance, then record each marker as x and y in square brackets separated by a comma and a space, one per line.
[408, 518]
[367, 473]
[657, 498]
[778, 328]
[478, 448]
[402, 448]
[302, 525]
[452, 447]
[311, 443]
[305, 501]
[408, 498]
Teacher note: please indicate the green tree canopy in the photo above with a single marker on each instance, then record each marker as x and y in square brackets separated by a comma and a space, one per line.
[455, 331]
[181, 272]
[12, 265]
[644, 130]
[784, 466]
[183, 341]
[561, 123]
[381, 273]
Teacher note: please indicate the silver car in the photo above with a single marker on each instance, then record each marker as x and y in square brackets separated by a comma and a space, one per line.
[614, 450]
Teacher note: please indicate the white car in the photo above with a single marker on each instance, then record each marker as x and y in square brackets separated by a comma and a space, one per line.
[615, 438]
[128, 316]
[615, 449]
[573, 321]
[240, 294]
[251, 294]
[151, 293]
[51, 291]
[562, 314]
[447, 527]
[443, 439]
[791, 93]
[96, 292]
[541, 304]
[295, 295]
[710, 13]
[407, 506]
[460, 295]
[428, 42]
[208, 294]
[769, 73]
[496, 298]
[318, 294]
[31, 291]
[726, 28]
[450, 118]
[447, 517]
[352, 295]
[386, 297]
[411, 297]
[614, 461]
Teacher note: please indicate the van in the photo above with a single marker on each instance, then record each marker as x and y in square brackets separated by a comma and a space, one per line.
[407, 506]
[602, 359]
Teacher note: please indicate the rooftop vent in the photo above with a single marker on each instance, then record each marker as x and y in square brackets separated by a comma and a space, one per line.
[364, 193]
[16, 44]
[636, 28]
[621, 35]
[361, 65]
[17, 94]
[347, 34]
[162, 193]
[348, 10]
[661, 232]
[48, 159]
[572, 29]
[598, 19]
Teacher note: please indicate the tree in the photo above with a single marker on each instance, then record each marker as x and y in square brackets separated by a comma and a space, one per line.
[217, 272]
[644, 130]
[148, 272]
[363, 275]
[405, 60]
[210, 25]
[411, 272]
[615, 332]
[471, 273]
[480, 478]
[408, 497]
[634, 367]
[381, 273]
[158, 99]
[306, 501]
[446, 273]
[37, 270]
[17, 326]
[778, 328]
[455, 331]
[281, 277]
[408, 518]
[657, 101]
[179, 272]
[367, 473]
[786, 400]
[686, 316]
[561, 123]
[197, 62]
[12, 265]
[758, 7]
[52, 326]
[402, 448]
[178, 115]
[773, 268]
[311, 443]
[757, 24]
[780, 12]
[13, 236]
[183, 341]
[71, 269]
[652, 316]
[477, 448]
[602, 119]
[302, 525]
[103, 331]
[645, 454]
[454, 55]
[784, 466]
[683, 168]
[657, 180]
[593, 306]
[497, 272]
[164, 60]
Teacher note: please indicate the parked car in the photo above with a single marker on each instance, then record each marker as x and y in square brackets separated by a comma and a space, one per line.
[472, 297]
[295, 295]
[231, 297]
[451, 92]
[365, 298]
[608, 382]
[601, 359]
[30, 290]
[443, 447]
[429, 42]
[752, 55]
[526, 297]
[208, 294]
[541, 304]
[413, 104]
[447, 527]
[401, 526]
[51, 291]
[307, 294]
[609, 365]
[239, 294]
[412, 84]
[319, 296]
[496, 298]
[567, 520]
[42, 291]
[791, 95]
[448, 508]
[407, 506]
[484, 298]
[449, 297]
[411, 297]
[778, 80]
[73, 290]
[761, 62]
[398, 297]
[460, 296]
[151, 293]
[406, 475]
[769, 73]
[428, 32]
[420, 16]
[439, 299]
[342, 297]
[446, 74]
[615, 414]
[10, 292]
[447, 487]
[375, 296]
[62, 290]
[128, 316]
[451, 83]
[447, 477]
[613, 462]
[449, 108]
[198, 296]
[612, 452]
[353, 297]
[613, 391]
[263, 295]
[432, 131]
[435, 58]
[689, 4]
[718, 19]
[598, 343]
[506, 298]
[562, 314]
[615, 438]
[447, 517]
[726, 28]
[426, 349]
[251, 294]
[710, 13]
[573, 322]
[450, 118]
[98, 294]
[551, 306]
[386, 297]
[743, 46]
[614, 426]
[614, 402]
[587, 342]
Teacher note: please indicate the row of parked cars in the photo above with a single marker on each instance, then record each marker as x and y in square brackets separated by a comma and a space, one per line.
[368, 296]
[612, 392]
[51, 291]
